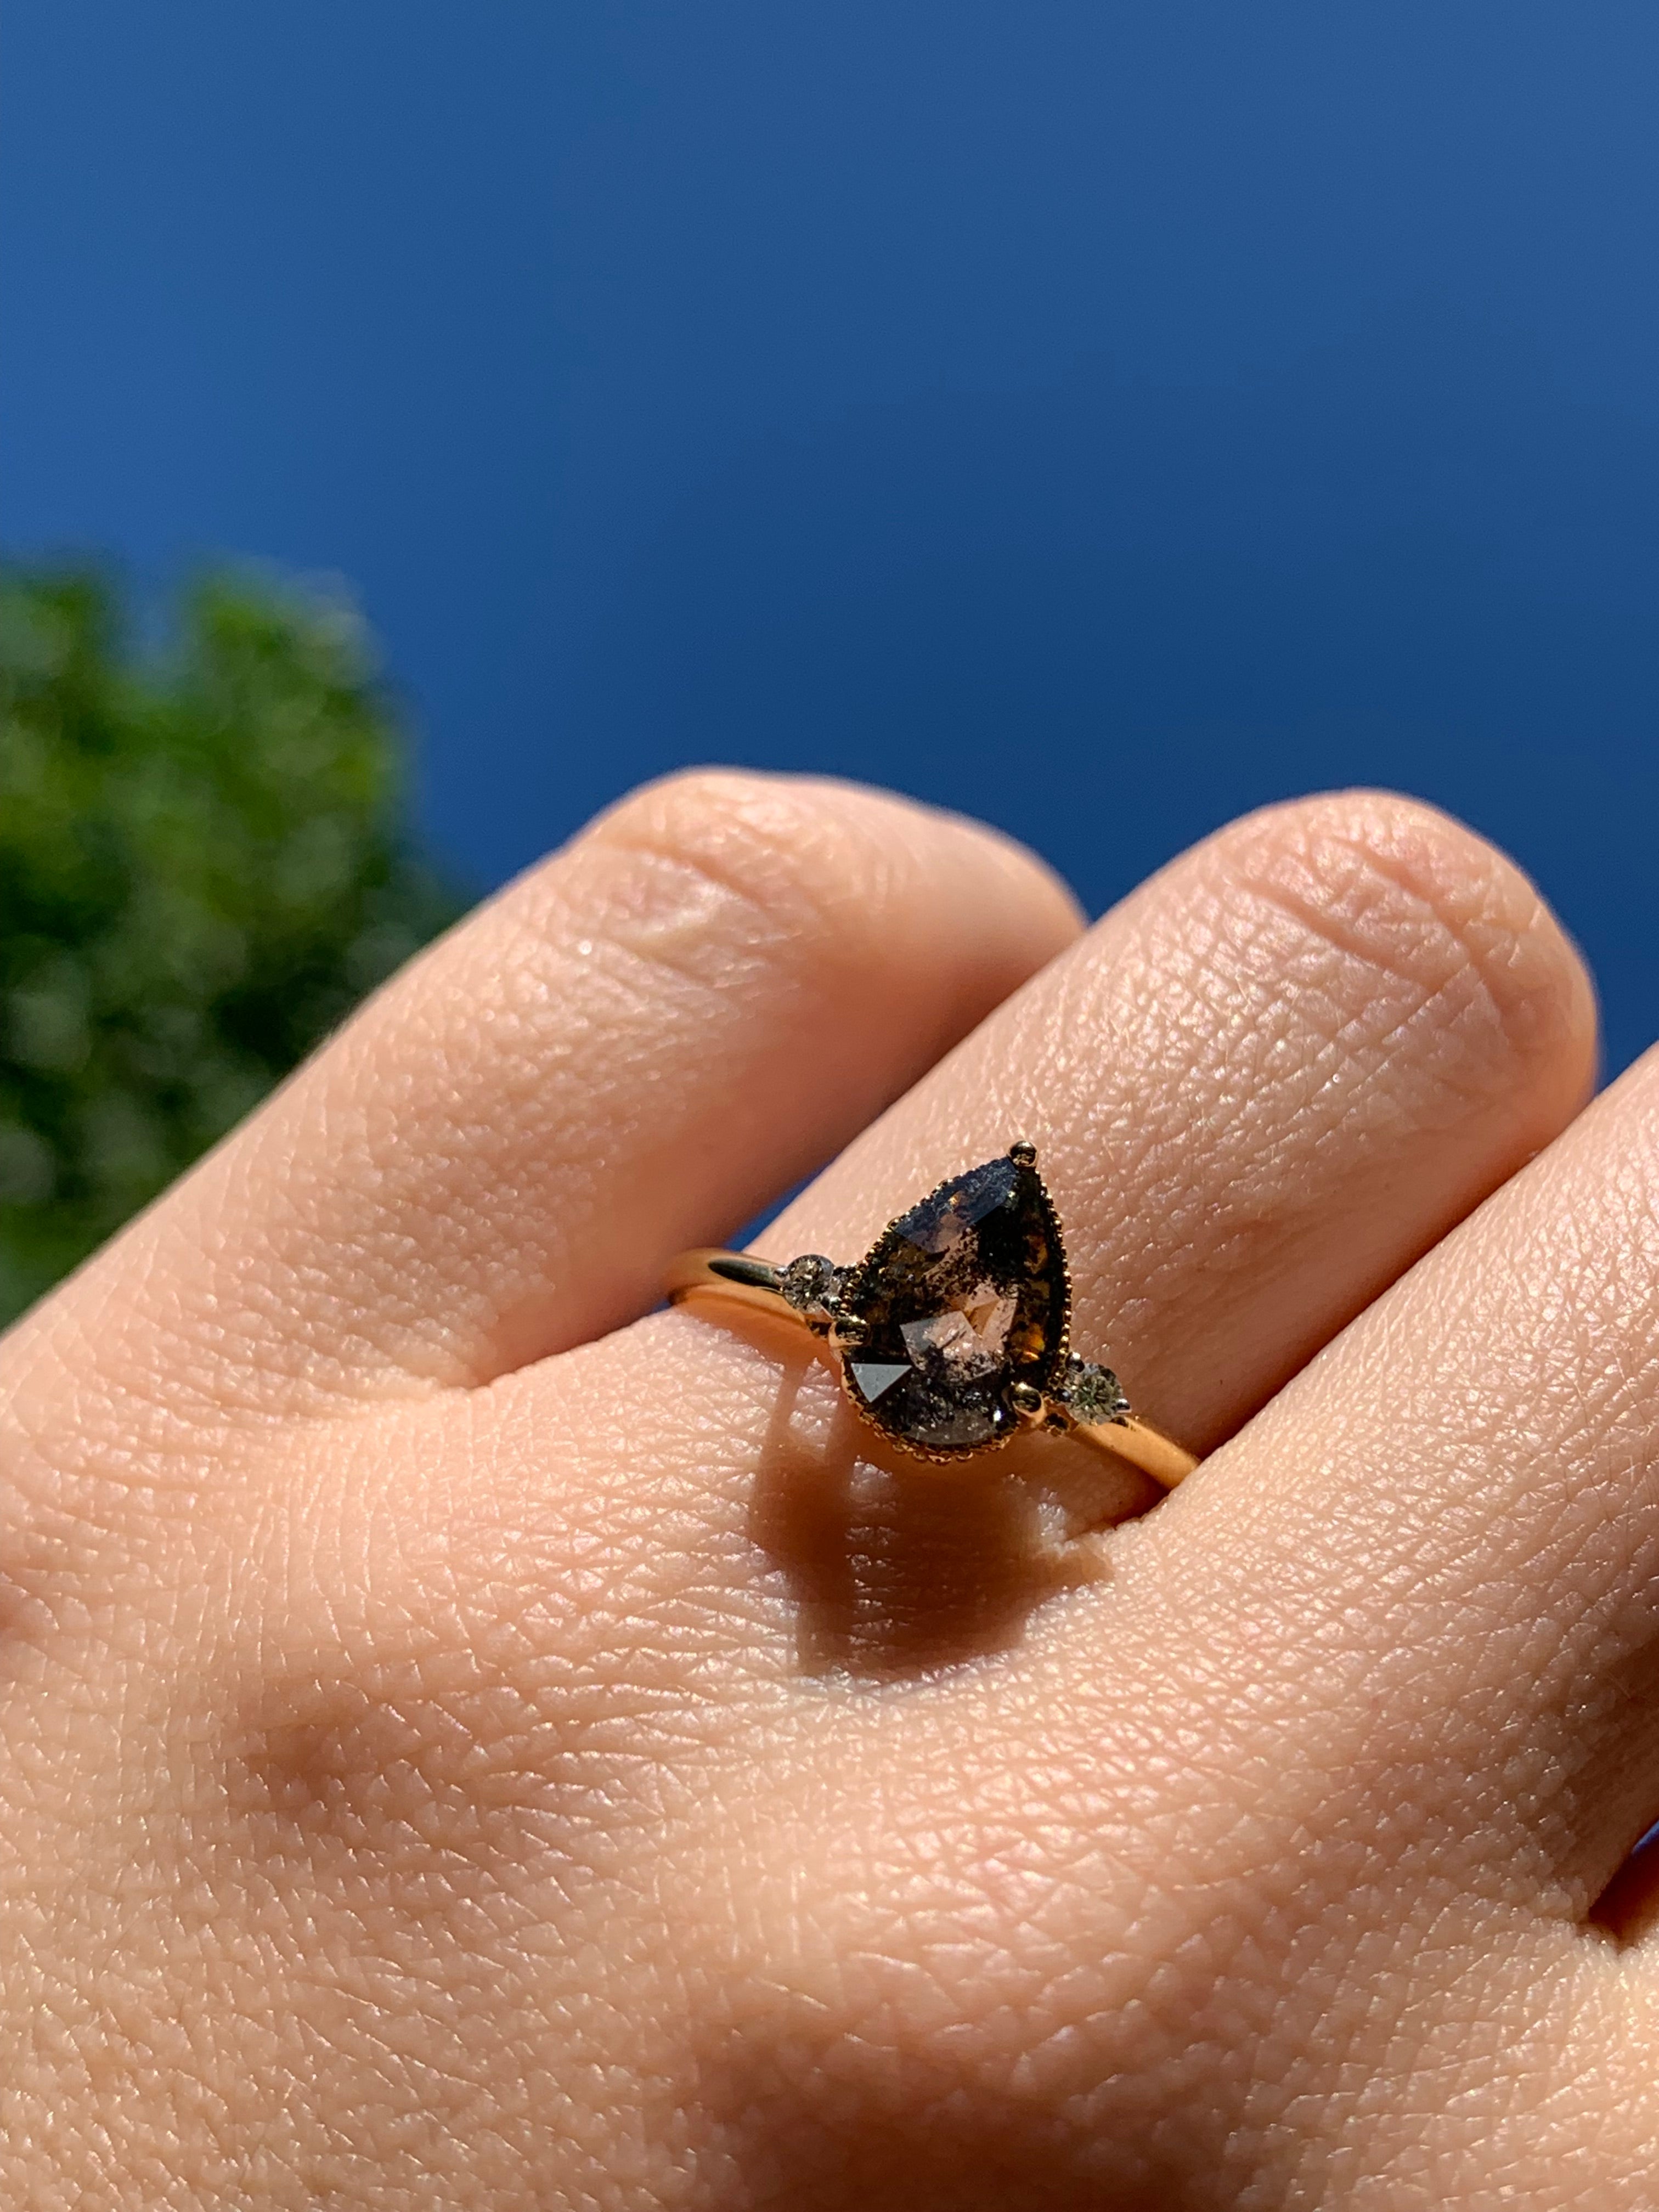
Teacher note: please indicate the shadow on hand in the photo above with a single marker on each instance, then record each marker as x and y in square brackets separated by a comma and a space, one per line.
[899, 1567]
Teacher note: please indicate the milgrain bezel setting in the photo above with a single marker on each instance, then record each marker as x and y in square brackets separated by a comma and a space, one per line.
[993, 1235]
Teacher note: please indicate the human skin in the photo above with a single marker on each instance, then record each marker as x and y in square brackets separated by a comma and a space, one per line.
[469, 1739]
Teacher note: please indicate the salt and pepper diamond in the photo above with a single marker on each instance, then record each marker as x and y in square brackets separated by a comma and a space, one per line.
[953, 1327]
[960, 1310]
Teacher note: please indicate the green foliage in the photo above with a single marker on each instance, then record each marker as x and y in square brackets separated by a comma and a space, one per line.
[201, 870]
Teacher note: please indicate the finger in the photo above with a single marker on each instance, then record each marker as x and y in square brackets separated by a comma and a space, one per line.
[634, 1048]
[1460, 1507]
[1259, 1089]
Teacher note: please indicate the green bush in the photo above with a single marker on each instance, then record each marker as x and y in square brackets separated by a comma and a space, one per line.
[202, 868]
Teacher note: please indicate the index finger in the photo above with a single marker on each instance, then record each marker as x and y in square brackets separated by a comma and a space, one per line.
[637, 1045]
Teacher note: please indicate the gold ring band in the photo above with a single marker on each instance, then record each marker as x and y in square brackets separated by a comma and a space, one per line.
[953, 1332]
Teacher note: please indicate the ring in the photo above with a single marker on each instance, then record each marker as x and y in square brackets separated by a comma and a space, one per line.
[953, 1333]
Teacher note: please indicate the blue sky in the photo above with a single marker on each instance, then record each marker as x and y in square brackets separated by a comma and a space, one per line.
[1099, 416]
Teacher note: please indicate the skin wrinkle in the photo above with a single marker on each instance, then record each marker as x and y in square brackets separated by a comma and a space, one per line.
[1442, 966]
[1442, 983]
[1425, 1003]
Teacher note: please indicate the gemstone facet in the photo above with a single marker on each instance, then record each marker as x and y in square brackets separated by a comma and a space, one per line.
[961, 1298]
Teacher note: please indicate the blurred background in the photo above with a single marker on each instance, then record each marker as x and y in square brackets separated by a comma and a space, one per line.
[1099, 414]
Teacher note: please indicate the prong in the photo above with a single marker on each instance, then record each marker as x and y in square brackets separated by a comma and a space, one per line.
[849, 1328]
[1027, 1401]
[1022, 1154]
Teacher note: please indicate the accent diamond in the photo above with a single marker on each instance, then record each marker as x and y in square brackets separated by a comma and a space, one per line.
[1094, 1394]
[812, 1284]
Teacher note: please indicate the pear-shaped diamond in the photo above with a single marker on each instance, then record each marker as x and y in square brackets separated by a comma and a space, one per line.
[962, 1298]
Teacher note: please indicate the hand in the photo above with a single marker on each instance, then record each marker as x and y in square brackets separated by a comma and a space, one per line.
[466, 1744]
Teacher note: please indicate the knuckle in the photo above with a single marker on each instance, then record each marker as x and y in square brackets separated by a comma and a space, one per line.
[1025, 2009]
[790, 875]
[1397, 911]
[419, 1784]
[793, 851]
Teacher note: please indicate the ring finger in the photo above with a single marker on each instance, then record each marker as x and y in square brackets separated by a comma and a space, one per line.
[1260, 1088]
